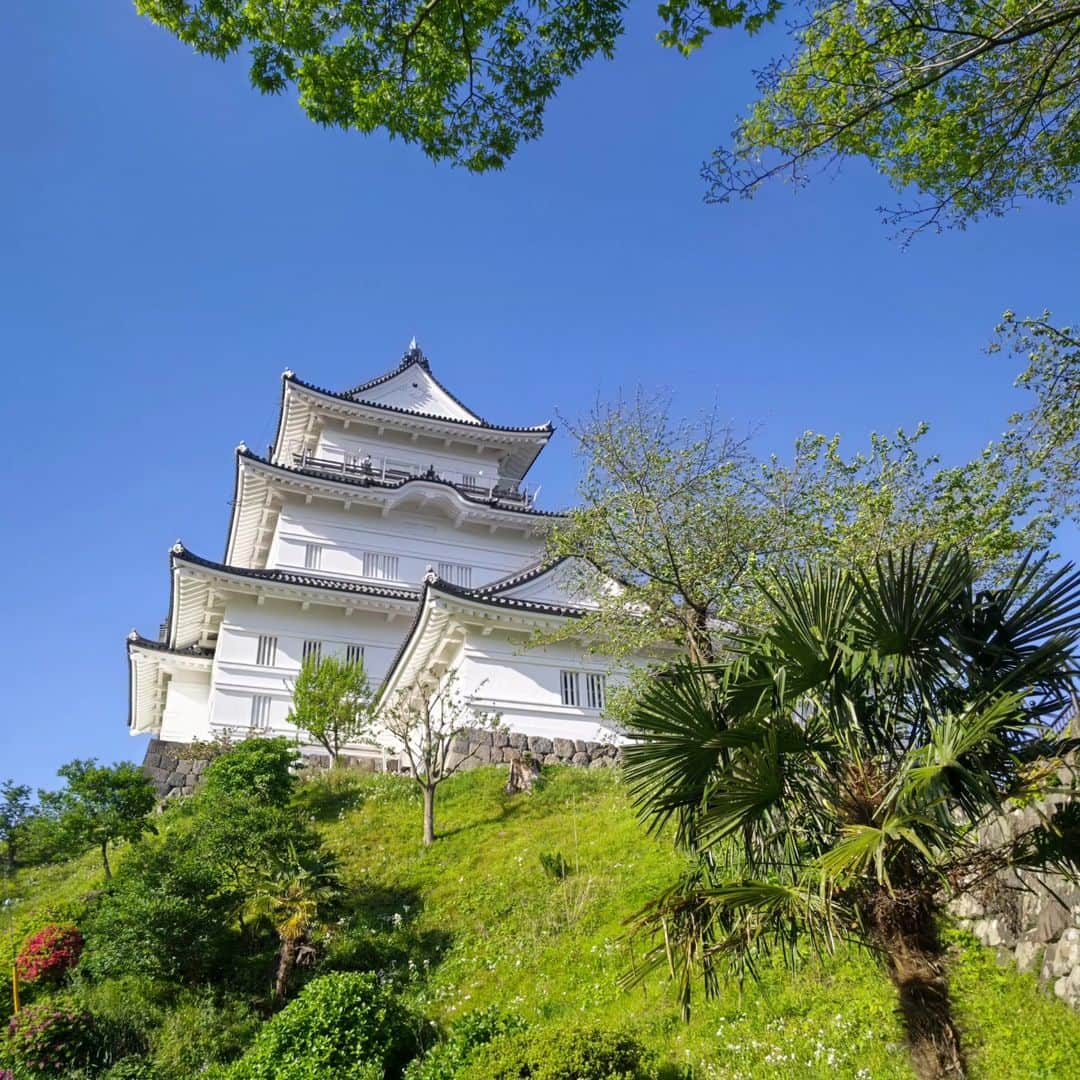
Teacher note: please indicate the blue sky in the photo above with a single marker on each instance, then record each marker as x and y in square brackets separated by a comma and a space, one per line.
[170, 241]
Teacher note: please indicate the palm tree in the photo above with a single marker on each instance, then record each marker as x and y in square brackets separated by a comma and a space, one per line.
[832, 778]
[293, 894]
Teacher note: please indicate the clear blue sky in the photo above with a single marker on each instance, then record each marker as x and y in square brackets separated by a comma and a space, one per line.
[170, 241]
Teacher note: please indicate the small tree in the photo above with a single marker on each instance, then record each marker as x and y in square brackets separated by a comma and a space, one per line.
[104, 804]
[428, 721]
[15, 812]
[332, 702]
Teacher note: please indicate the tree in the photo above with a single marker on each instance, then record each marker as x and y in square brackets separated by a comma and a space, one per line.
[687, 520]
[105, 804]
[258, 769]
[467, 81]
[292, 894]
[15, 812]
[332, 702]
[834, 777]
[973, 104]
[677, 514]
[430, 723]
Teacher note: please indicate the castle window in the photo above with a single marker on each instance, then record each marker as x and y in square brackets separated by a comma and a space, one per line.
[382, 567]
[354, 654]
[312, 556]
[595, 691]
[456, 574]
[260, 712]
[267, 652]
[569, 687]
[312, 651]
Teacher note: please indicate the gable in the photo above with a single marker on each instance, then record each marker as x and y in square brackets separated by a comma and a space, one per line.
[569, 583]
[414, 389]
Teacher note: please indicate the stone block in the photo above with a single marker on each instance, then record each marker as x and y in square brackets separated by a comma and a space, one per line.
[591, 747]
[510, 754]
[479, 737]
[564, 748]
[500, 739]
[1054, 919]
[552, 759]
[519, 742]
[581, 746]
[175, 780]
[482, 755]
[539, 745]
[580, 758]
[967, 907]
[1027, 955]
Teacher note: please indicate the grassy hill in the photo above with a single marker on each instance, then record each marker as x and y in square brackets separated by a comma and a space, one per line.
[476, 920]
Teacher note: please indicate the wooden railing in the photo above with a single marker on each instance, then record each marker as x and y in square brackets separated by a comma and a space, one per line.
[374, 471]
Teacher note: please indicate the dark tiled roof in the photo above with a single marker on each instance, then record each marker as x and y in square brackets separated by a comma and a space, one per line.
[541, 429]
[287, 577]
[413, 356]
[160, 646]
[530, 573]
[393, 485]
[480, 597]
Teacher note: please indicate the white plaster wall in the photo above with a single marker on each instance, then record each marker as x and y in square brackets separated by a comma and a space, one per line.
[451, 462]
[237, 677]
[186, 714]
[523, 685]
[419, 539]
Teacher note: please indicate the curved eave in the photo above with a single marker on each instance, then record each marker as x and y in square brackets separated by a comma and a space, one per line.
[198, 585]
[406, 363]
[149, 663]
[443, 605]
[524, 444]
[250, 531]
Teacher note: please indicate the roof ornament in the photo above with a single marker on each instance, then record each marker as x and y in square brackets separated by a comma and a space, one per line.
[133, 635]
[241, 447]
[287, 373]
[177, 548]
[431, 577]
[414, 355]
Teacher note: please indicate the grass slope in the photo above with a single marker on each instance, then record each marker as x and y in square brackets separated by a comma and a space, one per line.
[476, 921]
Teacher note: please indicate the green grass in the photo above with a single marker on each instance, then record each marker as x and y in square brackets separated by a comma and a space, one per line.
[476, 921]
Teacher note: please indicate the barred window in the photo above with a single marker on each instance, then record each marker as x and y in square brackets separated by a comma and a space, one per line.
[383, 567]
[312, 651]
[568, 686]
[456, 574]
[260, 712]
[595, 690]
[267, 652]
[354, 654]
[312, 556]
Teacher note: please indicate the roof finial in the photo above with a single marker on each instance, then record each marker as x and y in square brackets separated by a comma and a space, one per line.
[414, 354]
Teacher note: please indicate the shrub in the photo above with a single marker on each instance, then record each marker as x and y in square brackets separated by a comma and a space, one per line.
[199, 1032]
[49, 954]
[555, 866]
[52, 1038]
[256, 768]
[164, 918]
[446, 1059]
[566, 1054]
[344, 1025]
[131, 1068]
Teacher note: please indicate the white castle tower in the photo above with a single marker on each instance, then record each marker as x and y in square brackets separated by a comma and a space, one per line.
[391, 523]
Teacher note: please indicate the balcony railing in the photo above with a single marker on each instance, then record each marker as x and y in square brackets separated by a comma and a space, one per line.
[511, 495]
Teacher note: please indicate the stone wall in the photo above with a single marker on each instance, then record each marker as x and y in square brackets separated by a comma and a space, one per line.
[1032, 919]
[174, 768]
[493, 748]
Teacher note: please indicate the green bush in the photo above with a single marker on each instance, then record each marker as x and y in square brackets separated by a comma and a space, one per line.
[52, 1039]
[165, 917]
[256, 768]
[446, 1059]
[344, 1025]
[131, 1068]
[201, 1031]
[580, 1053]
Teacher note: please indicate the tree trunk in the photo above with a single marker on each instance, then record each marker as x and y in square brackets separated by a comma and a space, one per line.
[105, 859]
[700, 640]
[914, 959]
[429, 815]
[286, 963]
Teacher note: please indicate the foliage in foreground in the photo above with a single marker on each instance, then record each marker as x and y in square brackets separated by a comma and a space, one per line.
[476, 922]
[832, 777]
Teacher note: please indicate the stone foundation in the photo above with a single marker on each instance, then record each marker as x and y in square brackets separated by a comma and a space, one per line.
[1030, 919]
[174, 768]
